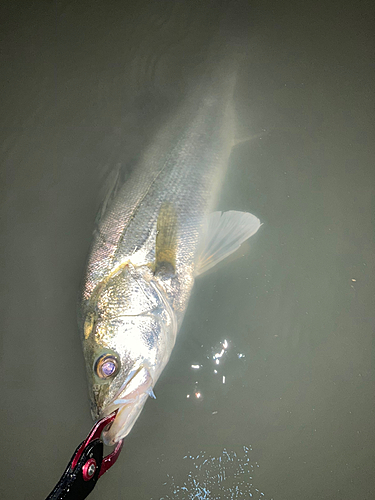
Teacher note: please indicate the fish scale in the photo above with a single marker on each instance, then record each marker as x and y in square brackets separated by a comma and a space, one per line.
[147, 251]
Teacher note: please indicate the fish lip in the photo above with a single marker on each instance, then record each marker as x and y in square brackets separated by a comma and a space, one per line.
[112, 406]
[127, 403]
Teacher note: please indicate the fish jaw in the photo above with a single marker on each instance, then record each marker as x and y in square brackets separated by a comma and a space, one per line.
[128, 403]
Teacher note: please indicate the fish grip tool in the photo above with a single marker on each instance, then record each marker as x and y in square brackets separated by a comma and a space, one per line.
[86, 466]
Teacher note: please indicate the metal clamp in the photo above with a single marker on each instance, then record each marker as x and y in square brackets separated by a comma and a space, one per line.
[87, 465]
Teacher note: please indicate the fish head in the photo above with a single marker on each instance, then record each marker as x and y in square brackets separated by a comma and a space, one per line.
[126, 343]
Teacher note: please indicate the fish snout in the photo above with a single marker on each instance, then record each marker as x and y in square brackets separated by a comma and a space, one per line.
[128, 403]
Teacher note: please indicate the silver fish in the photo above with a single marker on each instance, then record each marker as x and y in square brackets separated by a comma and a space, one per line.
[155, 234]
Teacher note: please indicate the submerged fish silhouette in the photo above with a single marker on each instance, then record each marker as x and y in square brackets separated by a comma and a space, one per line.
[154, 235]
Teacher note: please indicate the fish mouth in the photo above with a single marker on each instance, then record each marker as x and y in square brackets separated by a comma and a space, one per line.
[128, 403]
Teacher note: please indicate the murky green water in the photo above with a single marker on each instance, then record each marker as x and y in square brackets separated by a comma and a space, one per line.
[288, 411]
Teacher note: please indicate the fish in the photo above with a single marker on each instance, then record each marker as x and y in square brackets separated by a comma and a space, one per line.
[154, 235]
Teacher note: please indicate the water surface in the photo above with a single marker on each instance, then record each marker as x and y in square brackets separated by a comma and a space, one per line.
[288, 412]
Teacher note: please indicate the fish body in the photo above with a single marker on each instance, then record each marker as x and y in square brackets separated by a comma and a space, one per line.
[153, 237]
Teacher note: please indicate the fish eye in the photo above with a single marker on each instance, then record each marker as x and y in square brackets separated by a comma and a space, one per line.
[106, 366]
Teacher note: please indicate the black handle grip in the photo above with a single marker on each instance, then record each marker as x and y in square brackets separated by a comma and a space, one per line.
[78, 483]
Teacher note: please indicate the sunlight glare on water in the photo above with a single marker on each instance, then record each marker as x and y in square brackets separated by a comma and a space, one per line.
[229, 475]
[213, 365]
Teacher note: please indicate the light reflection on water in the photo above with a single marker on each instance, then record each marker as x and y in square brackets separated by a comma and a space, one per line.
[229, 475]
[213, 367]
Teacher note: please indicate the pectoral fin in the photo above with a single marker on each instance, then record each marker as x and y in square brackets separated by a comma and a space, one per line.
[151, 393]
[223, 234]
[166, 240]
